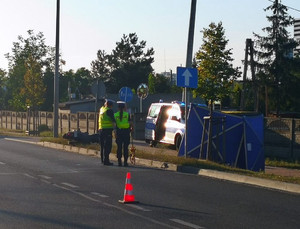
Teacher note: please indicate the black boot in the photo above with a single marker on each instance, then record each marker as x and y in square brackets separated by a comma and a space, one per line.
[107, 162]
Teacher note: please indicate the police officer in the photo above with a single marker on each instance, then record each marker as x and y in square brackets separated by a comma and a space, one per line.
[124, 127]
[106, 126]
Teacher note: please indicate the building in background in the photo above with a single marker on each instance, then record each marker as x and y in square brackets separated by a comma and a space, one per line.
[171, 76]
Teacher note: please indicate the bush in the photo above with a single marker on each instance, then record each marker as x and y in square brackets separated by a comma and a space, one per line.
[45, 131]
[43, 128]
[46, 134]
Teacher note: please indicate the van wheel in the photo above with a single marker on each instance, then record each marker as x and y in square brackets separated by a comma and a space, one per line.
[177, 142]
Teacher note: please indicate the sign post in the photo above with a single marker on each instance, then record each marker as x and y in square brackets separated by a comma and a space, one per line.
[142, 92]
[189, 56]
[187, 78]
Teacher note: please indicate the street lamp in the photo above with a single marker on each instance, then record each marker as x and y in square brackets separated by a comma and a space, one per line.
[189, 56]
[56, 76]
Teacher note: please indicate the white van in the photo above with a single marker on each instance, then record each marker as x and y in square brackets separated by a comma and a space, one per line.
[165, 123]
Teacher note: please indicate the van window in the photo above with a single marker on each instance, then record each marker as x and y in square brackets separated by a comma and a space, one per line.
[154, 110]
[174, 112]
[182, 109]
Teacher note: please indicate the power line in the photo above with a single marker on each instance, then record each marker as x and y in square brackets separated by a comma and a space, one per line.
[289, 7]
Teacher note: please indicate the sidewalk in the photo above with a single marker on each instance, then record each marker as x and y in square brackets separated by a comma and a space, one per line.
[282, 171]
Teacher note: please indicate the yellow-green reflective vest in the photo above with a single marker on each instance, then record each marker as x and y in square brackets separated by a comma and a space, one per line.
[124, 124]
[105, 121]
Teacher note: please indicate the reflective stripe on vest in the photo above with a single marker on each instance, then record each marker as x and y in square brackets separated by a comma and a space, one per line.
[105, 121]
[124, 124]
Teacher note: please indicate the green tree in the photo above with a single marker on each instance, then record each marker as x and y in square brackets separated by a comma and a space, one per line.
[215, 71]
[49, 82]
[101, 67]
[129, 64]
[84, 81]
[80, 83]
[233, 100]
[158, 83]
[291, 96]
[2, 89]
[34, 88]
[274, 60]
[151, 83]
[35, 47]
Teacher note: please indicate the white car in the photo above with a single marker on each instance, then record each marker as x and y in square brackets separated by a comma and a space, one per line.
[165, 123]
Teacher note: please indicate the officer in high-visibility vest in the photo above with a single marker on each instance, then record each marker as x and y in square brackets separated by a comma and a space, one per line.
[106, 126]
[124, 126]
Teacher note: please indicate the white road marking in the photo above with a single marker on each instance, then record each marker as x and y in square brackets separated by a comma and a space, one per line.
[18, 140]
[66, 172]
[138, 207]
[26, 174]
[115, 206]
[78, 193]
[100, 195]
[46, 181]
[45, 177]
[186, 224]
[2, 163]
[69, 185]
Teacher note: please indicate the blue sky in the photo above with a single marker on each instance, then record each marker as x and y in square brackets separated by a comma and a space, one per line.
[90, 25]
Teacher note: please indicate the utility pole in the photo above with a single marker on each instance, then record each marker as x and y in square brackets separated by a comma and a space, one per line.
[249, 52]
[189, 57]
[56, 76]
[189, 54]
[277, 81]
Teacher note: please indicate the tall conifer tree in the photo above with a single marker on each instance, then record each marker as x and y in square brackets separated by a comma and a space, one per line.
[274, 55]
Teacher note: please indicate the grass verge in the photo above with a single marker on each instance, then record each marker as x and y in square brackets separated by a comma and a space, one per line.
[201, 164]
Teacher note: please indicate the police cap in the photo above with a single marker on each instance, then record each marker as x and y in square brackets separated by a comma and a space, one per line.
[109, 102]
[121, 104]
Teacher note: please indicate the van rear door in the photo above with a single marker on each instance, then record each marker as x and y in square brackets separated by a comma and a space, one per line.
[150, 126]
[160, 125]
[173, 125]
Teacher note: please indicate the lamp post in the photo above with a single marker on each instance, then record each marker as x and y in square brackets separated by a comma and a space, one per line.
[189, 57]
[56, 76]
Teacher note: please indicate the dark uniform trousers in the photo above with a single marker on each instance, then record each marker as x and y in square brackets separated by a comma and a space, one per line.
[123, 140]
[105, 144]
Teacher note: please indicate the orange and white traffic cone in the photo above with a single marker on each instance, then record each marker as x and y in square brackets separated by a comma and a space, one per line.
[128, 192]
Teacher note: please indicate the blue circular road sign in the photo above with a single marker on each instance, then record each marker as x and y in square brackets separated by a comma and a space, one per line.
[125, 94]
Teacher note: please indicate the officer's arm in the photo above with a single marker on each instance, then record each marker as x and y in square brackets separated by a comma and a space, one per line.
[130, 123]
[110, 114]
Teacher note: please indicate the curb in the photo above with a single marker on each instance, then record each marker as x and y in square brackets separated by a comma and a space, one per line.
[276, 185]
[68, 148]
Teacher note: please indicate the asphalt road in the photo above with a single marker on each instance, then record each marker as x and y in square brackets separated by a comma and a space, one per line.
[46, 188]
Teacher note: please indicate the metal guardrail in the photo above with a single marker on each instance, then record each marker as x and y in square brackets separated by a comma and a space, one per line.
[283, 133]
[31, 122]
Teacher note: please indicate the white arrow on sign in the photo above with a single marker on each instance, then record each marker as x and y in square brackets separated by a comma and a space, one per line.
[187, 75]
